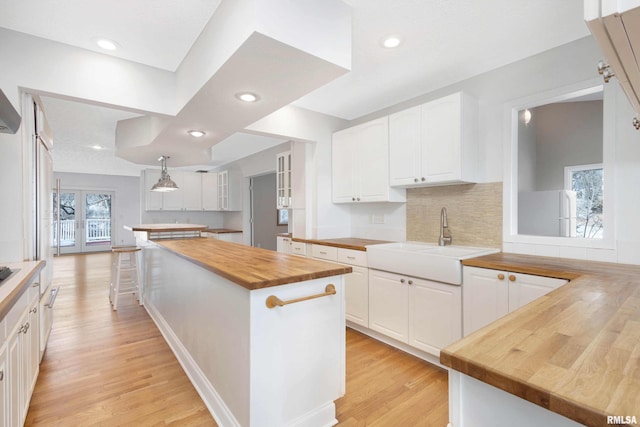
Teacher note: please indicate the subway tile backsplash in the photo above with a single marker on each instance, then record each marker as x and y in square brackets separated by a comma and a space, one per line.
[474, 213]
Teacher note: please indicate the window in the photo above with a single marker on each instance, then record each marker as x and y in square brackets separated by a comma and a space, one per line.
[587, 181]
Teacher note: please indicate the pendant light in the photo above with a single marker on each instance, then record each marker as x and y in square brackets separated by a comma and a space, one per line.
[165, 183]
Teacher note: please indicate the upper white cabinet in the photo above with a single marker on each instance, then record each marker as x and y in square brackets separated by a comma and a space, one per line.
[616, 27]
[491, 294]
[360, 164]
[197, 191]
[209, 191]
[283, 181]
[434, 143]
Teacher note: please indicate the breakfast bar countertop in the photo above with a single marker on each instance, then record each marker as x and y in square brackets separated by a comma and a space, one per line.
[252, 268]
[574, 351]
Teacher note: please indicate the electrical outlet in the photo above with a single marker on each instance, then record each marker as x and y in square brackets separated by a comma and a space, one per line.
[376, 219]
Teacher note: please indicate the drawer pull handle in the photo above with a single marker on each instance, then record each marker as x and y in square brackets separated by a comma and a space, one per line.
[323, 253]
[512, 278]
[500, 276]
[274, 301]
[351, 257]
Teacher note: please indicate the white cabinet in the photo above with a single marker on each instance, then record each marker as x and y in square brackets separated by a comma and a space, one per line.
[5, 391]
[360, 164]
[435, 315]
[356, 283]
[426, 315]
[299, 248]
[490, 294]
[19, 358]
[284, 191]
[389, 304]
[434, 143]
[209, 187]
[213, 191]
[229, 191]
[153, 199]
[191, 191]
[283, 244]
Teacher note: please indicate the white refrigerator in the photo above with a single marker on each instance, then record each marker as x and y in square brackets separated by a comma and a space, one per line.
[547, 213]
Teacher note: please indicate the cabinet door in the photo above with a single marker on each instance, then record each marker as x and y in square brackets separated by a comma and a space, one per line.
[4, 387]
[343, 169]
[191, 191]
[524, 288]
[283, 180]
[485, 297]
[223, 190]
[356, 289]
[230, 237]
[173, 200]
[435, 315]
[209, 191]
[283, 245]
[441, 139]
[153, 199]
[389, 304]
[372, 156]
[33, 338]
[404, 147]
[15, 349]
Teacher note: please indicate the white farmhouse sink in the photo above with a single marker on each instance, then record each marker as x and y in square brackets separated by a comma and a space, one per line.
[424, 260]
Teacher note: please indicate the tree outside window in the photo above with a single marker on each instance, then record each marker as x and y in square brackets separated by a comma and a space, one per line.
[588, 183]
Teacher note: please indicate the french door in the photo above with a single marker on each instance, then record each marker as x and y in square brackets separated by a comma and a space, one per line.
[85, 221]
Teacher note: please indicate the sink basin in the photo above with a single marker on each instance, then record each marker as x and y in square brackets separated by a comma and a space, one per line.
[424, 260]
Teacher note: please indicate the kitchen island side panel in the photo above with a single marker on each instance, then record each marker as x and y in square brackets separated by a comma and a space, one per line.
[299, 368]
[252, 365]
[205, 319]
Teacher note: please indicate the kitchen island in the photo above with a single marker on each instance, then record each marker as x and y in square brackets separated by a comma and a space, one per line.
[569, 357]
[260, 334]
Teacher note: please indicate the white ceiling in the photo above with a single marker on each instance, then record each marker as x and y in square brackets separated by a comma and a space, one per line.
[444, 41]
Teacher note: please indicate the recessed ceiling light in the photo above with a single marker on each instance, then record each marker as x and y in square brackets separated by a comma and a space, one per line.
[97, 147]
[196, 133]
[107, 44]
[391, 41]
[247, 96]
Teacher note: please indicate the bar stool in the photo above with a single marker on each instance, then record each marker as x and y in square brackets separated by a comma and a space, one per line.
[125, 276]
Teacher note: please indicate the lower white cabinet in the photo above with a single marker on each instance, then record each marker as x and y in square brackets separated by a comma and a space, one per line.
[356, 283]
[19, 358]
[426, 315]
[389, 304]
[356, 292]
[490, 294]
[283, 244]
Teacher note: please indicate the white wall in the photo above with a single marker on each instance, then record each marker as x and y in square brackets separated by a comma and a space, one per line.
[126, 205]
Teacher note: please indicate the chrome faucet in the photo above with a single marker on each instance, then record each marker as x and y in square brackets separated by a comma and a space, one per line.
[445, 234]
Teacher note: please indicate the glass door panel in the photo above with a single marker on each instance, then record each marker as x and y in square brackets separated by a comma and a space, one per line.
[85, 220]
[96, 221]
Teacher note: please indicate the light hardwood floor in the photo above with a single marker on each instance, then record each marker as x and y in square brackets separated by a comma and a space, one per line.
[111, 368]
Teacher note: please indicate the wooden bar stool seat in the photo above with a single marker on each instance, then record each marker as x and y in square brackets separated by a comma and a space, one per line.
[125, 274]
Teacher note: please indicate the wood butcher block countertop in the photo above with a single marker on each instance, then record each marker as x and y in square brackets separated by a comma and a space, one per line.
[575, 351]
[252, 268]
[14, 286]
[221, 230]
[344, 242]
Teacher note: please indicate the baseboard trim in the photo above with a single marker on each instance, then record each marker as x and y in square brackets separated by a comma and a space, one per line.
[220, 412]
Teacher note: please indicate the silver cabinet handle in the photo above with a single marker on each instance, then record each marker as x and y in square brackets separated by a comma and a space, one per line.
[323, 253]
[1, 375]
[423, 179]
[401, 280]
[415, 179]
[34, 310]
[411, 282]
[52, 298]
[351, 257]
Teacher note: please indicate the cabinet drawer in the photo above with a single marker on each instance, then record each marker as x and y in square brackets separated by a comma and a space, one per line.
[328, 253]
[352, 257]
[299, 248]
